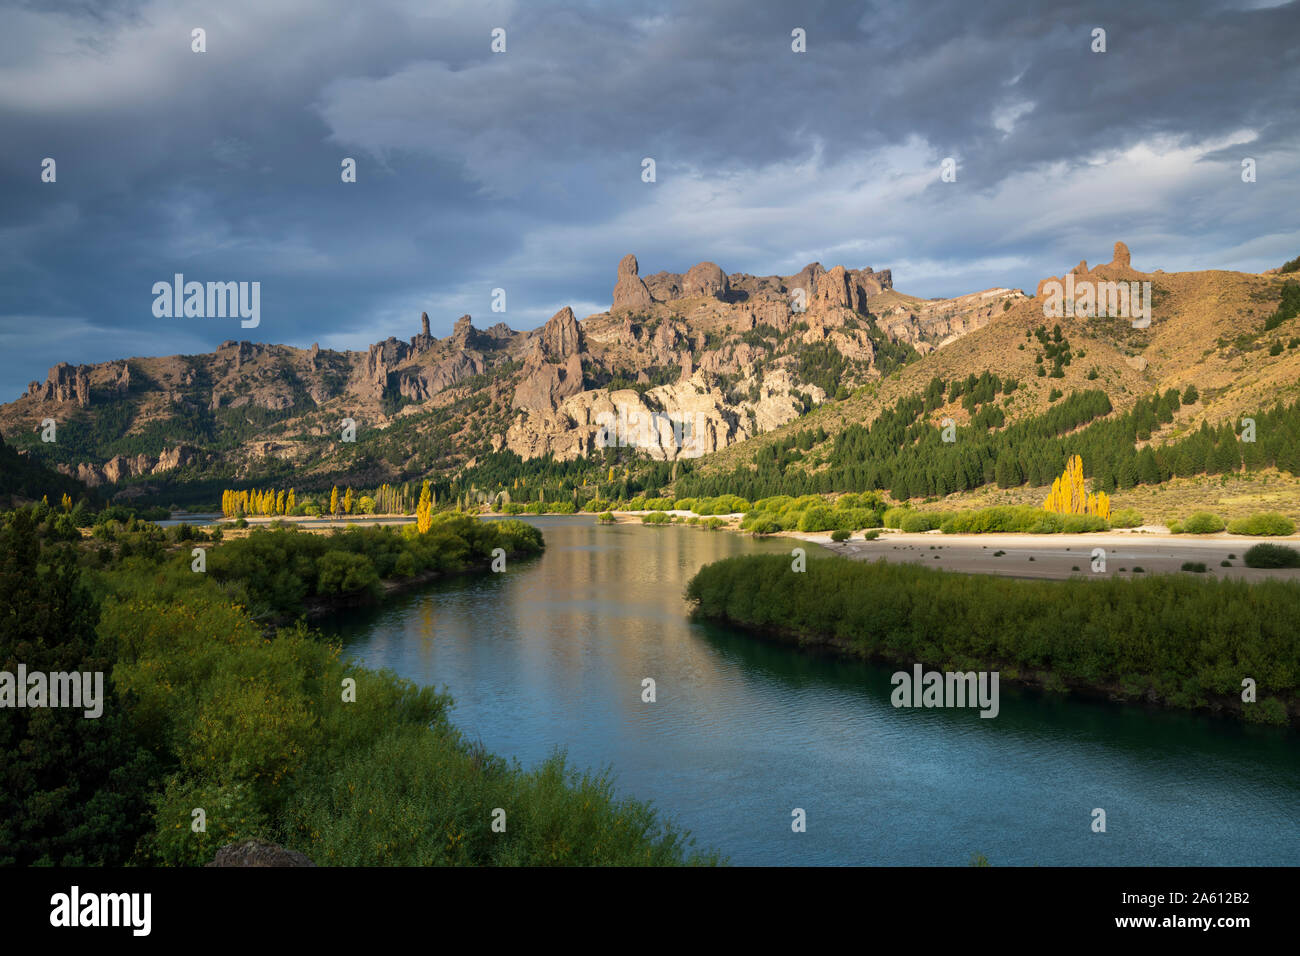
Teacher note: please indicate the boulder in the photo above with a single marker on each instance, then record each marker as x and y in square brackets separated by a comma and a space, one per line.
[258, 853]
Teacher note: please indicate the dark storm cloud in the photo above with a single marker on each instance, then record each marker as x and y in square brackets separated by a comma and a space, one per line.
[522, 170]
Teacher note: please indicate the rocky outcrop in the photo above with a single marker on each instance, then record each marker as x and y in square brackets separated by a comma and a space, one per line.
[1118, 269]
[561, 336]
[65, 383]
[120, 467]
[683, 420]
[630, 293]
[553, 369]
[706, 278]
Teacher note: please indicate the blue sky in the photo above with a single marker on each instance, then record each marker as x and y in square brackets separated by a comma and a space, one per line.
[522, 170]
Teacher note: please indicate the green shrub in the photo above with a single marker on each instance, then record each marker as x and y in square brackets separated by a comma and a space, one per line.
[917, 521]
[871, 535]
[1125, 518]
[1265, 524]
[1197, 567]
[1272, 556]
[605, 518]
[893, 517]
[839, 534]
[656, 517]
[819, 518]
[1202, 523]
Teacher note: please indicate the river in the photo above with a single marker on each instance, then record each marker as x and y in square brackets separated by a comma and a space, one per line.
[552, 654]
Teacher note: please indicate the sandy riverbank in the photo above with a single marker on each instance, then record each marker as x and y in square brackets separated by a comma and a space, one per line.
[1059, 555]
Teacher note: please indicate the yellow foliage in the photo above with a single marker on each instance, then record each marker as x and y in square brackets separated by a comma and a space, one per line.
[1069, 495]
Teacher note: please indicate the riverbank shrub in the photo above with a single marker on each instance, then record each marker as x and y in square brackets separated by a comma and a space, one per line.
[1202, 522]
[275, 571]
[656, 517]
[1172, 635]
[1126, 518]
[721, 505]
[1272, 556]
[1264, 524]
[208, 707]
[1019, 519]
[917, 521]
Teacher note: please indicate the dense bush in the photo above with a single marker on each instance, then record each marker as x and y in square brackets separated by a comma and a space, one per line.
[893, 518]
[1268, 523]
[275, 571]
[839, 534]
[1019, 519]
[1125, 518]
[915, 521]
[1272, 556]
[656, 517]
[1159, 633]
[1201, 523]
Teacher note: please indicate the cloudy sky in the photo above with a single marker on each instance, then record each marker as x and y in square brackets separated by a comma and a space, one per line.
[522, 170]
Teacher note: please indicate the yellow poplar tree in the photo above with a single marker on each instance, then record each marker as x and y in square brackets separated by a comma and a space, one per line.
[1070, 496]
[289, 503]
[347, 502]
[424, 510]
[334, 500]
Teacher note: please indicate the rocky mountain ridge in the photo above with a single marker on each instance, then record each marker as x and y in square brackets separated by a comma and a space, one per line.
[714, 356]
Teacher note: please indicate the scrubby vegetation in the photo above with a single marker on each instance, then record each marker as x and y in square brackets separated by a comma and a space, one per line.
[1181, 639]
[1265, 524]
[1024, 519]
[1125, 518]
[274, 572]
[261, 727]
[811, 513]
[1200, 523]
[1272, 556]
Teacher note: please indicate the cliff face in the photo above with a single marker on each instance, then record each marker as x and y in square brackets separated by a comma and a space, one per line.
[733, 354]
